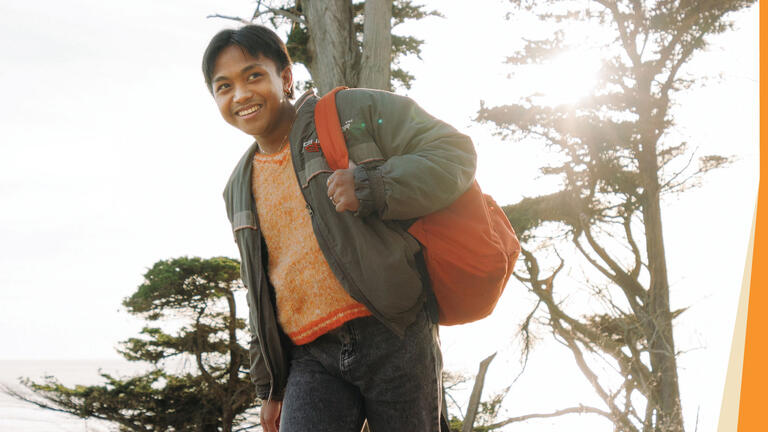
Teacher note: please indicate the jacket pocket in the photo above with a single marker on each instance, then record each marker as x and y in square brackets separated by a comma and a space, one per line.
[242, 220]
[312, 168]
[365, 152]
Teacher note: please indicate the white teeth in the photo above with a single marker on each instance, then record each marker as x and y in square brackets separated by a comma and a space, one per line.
[248, 111]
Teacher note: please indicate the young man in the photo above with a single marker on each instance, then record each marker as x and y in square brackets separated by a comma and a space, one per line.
[342, 318]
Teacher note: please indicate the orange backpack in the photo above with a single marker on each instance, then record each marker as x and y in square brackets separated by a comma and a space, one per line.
[469, 247]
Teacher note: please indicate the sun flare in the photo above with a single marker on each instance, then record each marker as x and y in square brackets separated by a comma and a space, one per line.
[564, 79]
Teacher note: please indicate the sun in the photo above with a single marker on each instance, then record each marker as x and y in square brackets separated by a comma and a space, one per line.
[564, 79]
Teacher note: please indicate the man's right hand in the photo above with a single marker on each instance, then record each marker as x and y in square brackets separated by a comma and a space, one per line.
[270, 415]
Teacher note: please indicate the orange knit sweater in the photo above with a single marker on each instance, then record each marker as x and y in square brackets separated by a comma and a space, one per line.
[310, 300]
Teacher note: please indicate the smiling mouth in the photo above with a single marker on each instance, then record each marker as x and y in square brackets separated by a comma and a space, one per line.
[247, 111]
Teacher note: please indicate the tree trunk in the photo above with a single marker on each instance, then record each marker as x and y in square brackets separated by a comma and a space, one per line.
[333, 51]
[661, 344]
[377, 45]
[227, 418]
[666, 393]
[477, 392]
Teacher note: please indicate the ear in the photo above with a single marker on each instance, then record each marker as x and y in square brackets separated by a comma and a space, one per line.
[287, 76]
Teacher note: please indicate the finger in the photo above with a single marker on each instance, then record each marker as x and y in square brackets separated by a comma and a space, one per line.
[346, 204]
[340, 206]
[332, 178]
[331, 183]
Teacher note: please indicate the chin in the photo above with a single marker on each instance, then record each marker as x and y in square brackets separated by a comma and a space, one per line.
[250, 129]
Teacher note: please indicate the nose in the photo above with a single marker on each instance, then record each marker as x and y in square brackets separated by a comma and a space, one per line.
[242, 94]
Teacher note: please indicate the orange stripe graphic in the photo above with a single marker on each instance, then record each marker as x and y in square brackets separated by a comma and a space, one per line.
[316, 328]
[754, 380]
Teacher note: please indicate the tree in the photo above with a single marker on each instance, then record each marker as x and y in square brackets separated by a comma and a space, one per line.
[617, 159]
[342, 42]
[200, 293]
[479, 416]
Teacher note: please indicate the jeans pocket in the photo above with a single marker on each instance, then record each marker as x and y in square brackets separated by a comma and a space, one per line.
[421, 325]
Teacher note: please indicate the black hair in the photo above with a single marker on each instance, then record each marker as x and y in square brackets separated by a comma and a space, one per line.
[255, 39]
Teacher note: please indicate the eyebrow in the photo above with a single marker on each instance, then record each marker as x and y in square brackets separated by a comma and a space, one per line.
[242, 71]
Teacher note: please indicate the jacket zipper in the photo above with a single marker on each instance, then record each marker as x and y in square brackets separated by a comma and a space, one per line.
[260, 329]
[262, 344]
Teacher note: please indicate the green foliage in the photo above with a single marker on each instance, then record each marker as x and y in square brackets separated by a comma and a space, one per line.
[297, 42]
[404, 10]
[153, 401]
[456, 424]
[210, 396]
[532, 212]
[403, 46]
[487, 411]
[182, 284]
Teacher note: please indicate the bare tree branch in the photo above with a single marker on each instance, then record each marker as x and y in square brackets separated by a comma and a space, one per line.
[232, 18]
[280, 12]
[581, 409]
[635, 272]
[626, 40]
[621, 277]
[477, 390]
[578, 355]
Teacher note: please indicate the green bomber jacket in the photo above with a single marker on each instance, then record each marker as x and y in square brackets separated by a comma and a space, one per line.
[409, 164]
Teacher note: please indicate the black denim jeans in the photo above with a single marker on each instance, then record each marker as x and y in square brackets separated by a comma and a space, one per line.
[363, 370]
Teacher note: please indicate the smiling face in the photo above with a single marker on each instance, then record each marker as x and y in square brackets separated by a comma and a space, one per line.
[250, 93]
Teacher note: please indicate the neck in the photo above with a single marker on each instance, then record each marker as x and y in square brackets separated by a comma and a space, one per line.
[274, 142]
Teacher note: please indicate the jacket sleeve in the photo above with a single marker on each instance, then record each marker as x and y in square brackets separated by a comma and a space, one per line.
[258, 371]
[426, 163]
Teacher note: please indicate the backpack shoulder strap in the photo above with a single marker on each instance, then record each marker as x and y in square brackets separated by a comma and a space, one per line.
[329, 131]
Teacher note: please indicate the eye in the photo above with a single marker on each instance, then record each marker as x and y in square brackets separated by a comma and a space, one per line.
[222, 87]
[254, 75]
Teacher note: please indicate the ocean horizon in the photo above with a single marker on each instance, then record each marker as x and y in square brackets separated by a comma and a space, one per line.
[20, 416]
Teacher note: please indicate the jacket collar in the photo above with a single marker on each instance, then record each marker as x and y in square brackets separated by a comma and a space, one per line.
[307, 94]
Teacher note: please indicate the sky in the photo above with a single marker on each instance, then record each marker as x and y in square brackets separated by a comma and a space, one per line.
[113, 156]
